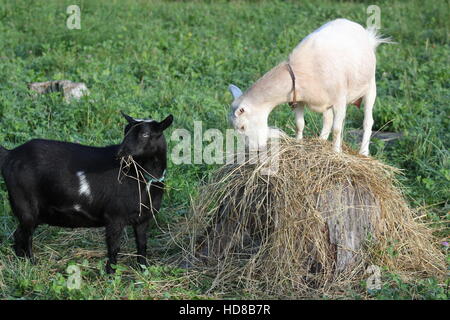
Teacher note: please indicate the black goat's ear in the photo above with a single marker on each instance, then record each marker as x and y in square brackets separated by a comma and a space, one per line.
[163, 125]
[129, 119]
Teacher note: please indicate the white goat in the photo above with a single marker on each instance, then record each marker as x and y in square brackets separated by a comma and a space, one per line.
[330, 68]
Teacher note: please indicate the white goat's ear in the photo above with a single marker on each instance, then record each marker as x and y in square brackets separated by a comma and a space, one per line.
[235, 91]
[239, 111]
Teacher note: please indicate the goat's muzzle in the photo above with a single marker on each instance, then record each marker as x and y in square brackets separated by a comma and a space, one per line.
[122, 153]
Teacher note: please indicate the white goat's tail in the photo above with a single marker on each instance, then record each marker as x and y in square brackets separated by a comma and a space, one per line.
[376, 38]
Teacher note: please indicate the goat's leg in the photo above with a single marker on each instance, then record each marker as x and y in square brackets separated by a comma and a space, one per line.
[369, 101]
[113, 236]
[327, 124]
[23, 236]
[300, 120]
[339, 110]
[23, 241]
[140, 234]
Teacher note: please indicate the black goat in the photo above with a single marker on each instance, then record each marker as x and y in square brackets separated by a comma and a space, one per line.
[71, 185]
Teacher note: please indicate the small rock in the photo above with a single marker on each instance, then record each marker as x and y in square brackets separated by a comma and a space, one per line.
[380, 135]
[70, 90]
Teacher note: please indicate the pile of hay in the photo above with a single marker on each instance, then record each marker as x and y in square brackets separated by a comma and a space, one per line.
[311, 228]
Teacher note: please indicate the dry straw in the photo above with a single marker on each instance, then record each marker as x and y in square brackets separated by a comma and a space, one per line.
[310, 229]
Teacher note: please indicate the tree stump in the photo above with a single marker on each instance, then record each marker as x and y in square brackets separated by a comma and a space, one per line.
[352, 215]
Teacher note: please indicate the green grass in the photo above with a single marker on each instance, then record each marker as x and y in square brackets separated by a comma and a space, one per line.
[152, 58]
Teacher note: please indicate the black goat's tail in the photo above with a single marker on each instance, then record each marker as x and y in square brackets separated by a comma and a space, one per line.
[3, 154]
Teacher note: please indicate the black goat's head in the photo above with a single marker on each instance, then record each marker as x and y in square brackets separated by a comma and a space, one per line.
[143, 137]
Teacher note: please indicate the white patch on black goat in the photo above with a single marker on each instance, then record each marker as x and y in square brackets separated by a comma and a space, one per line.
[84, 189]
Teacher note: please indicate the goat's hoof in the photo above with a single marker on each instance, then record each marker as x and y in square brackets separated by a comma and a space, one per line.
[143, 264]
[109, 269]
[364, 153]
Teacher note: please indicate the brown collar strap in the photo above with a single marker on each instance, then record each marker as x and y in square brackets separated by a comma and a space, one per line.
[293, 104]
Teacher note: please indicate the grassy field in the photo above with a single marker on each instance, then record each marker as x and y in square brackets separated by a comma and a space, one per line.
[152, 58]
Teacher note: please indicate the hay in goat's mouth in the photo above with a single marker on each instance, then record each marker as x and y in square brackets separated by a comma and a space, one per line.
[312, 228]
[129, 168]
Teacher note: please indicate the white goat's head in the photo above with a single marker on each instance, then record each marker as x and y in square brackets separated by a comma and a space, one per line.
[248, 119]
